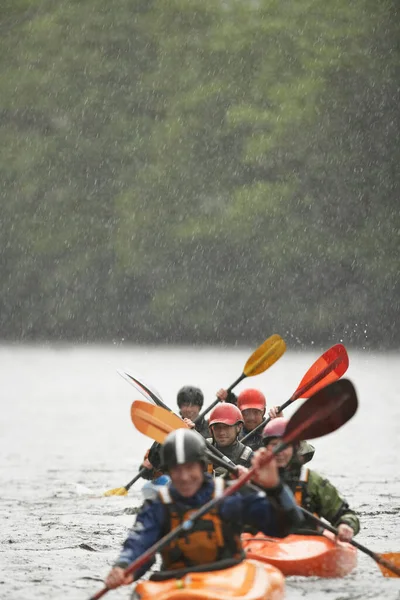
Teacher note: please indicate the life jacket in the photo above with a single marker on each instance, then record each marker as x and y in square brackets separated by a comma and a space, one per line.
[301, 486]
[209, 540]
[302, 497]
[241, 457]
[254, 441]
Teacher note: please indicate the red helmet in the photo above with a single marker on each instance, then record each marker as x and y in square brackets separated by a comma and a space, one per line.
[251, 399]
[274, 429]
[228, 414]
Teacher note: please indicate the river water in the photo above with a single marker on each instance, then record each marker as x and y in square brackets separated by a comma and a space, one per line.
[66, 436]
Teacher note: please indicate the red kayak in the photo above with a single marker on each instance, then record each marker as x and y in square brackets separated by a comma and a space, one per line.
[250, 580]
[304, 555]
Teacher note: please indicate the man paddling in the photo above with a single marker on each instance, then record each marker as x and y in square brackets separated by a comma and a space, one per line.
[252, 405]
[225, 424]
[312, 492]
[190, 401]
[213, 539]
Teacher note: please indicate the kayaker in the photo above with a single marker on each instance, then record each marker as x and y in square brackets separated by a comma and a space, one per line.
[190, 400]
[226, 422]
[305, 451]
[213, 539]
[311, 490]
[252, 405]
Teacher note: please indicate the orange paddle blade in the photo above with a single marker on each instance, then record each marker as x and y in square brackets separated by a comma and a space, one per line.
[146, 420]
[328, 368]
[393, 560]
[265, 356]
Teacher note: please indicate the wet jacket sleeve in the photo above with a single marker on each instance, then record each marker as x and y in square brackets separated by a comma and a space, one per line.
[147, 530]
[327, 503]
[275, 515]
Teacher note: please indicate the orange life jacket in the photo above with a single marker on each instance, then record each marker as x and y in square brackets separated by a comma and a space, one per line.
[300, 493]
[301, 485]
[208, 541]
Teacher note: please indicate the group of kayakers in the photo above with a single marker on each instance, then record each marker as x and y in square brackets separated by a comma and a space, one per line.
[214, 539]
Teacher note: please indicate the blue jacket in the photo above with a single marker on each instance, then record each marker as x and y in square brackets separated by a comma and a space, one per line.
[273, 516]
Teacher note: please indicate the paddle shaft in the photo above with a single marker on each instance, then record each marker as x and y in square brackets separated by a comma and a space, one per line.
[137, 476]
[298, 394]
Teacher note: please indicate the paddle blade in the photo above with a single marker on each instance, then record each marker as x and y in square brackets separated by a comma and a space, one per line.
[324, 412]
[392, 569]
[148, 421]
[265, 356]
[121, 491]
[328, 368]
[149, 392]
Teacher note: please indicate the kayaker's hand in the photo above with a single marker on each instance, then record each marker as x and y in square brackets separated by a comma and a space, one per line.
[147, 464]
[222, 394]
[274, 412]
[189, 423]
[117, 577]
[345, 532]
[266, 474]
[241, 470]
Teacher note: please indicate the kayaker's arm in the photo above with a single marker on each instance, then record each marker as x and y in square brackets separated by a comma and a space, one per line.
[147, 530]
[329, 504]
[275, 515]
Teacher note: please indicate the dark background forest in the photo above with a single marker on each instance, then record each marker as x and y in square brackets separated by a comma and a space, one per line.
[196, 171]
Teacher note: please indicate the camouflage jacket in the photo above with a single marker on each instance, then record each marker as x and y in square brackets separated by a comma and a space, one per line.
[319, 496]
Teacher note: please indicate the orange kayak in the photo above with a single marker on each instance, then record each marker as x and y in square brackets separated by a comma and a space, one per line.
[305, 555]
[249, 580]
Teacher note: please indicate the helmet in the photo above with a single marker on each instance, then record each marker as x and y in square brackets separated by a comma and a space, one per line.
[182, 446]
[228, 414]
[274, 429]
[251, 399]
[190, 395]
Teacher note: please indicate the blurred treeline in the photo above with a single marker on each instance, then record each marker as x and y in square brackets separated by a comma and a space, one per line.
[200, 170]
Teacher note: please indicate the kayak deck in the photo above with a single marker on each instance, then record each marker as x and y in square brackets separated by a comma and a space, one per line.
[303, 555]
[249, 580]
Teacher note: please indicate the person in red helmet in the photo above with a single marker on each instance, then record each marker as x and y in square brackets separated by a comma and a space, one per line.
[310, 489]
[225, 423]
[252, 405]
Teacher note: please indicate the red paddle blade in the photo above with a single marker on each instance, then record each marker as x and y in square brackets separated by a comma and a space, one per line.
[328, 368]
[324, 412]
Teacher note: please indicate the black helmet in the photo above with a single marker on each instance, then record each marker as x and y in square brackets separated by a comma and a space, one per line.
[190, 395]
[182, 446]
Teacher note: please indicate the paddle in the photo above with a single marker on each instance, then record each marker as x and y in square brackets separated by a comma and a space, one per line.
[144, 388]
[151, 394]
[264, 357]
[327, 368]
[313, 419]
[122, 491]
[388, 568]
[158, 423]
